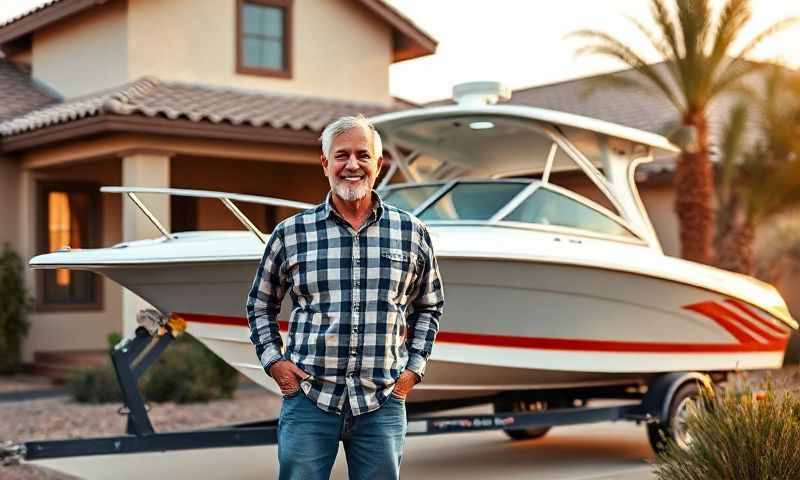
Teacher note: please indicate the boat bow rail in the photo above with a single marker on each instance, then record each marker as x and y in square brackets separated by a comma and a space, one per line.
[226, 198]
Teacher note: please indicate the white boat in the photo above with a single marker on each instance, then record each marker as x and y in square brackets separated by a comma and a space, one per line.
[545, 287]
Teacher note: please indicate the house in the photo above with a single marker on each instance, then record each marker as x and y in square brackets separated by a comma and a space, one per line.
[203, 94]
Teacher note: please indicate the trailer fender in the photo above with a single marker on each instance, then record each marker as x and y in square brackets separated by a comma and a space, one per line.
[662, 389]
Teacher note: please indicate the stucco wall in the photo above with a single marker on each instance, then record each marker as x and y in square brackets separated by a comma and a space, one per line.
[85, 53]
[77, 330]
[338, 50]
[9, 217]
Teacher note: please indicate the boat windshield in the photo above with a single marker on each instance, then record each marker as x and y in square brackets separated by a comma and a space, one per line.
[472, 201]
[547, 207]
[545, 204]
[409, 198]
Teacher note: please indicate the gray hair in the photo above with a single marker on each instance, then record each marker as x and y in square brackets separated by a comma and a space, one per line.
[344, 124]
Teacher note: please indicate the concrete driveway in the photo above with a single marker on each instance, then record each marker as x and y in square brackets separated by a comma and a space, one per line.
[599, 451]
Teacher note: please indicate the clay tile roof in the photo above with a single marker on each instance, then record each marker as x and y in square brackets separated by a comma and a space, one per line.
[18, 93]
[151, 97]
[40, 6]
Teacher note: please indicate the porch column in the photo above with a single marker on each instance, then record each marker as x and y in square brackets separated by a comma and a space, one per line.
[142, 170]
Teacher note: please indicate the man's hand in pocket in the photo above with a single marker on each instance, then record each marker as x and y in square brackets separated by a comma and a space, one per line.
[287, 375]
[405, 383]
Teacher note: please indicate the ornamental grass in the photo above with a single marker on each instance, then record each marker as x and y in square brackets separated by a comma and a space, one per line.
[737, 434]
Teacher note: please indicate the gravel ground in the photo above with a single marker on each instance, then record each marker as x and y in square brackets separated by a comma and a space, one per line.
[22, 383]
[59, 418]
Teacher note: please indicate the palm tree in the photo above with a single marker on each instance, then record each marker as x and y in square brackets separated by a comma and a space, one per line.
[760, 182]
[700, 66]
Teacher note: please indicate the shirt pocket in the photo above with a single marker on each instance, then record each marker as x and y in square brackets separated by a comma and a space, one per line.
[399, 267]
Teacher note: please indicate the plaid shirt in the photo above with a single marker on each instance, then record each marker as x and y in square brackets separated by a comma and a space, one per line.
[365, 304]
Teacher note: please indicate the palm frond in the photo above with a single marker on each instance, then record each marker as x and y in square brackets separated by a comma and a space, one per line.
[730, 151]
[661, 46]
[732, 74]
[664, 20]
[734, 15]
[694, 18]
[609, 46]
[776, 27]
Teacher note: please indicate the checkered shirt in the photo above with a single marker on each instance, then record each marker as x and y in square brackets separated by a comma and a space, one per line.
[366, 304]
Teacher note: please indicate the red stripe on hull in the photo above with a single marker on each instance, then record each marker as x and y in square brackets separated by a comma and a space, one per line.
[720, 315]
[545, 343]
[747, 310]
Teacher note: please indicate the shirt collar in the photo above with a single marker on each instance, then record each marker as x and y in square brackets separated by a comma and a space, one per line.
[377, 206]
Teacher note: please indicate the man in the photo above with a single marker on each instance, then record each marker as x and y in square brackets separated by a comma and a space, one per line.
[366, 302]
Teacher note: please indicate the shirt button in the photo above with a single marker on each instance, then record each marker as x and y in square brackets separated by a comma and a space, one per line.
[353, 352]
[356, 307]
[355, 329]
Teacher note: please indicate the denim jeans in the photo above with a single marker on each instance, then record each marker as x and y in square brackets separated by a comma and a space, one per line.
[308, 440]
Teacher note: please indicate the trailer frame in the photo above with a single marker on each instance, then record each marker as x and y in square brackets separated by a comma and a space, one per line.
[133, 356]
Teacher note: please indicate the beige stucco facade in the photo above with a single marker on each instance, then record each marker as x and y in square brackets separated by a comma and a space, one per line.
[85, 53]
[338, 50]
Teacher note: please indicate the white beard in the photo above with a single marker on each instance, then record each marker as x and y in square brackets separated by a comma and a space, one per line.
[350, 194]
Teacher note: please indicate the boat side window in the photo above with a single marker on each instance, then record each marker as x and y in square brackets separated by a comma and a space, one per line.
[472, 201]
[546, 207]
[409, 198]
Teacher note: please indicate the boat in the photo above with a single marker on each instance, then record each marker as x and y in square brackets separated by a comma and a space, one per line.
[547, 287]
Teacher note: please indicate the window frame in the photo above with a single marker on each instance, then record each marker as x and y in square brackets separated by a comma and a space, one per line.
[43, 188]
[286, 72]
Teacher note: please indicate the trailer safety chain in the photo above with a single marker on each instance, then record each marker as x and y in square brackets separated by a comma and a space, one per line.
[11, 453]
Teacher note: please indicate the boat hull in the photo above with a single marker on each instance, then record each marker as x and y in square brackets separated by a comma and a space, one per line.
[508, 325]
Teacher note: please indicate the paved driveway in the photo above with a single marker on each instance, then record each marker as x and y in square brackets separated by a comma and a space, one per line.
[600, 451]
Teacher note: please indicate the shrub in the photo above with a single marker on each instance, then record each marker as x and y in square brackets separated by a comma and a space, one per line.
[94, 385]
[188, 372]
[185, 372]
[14, 306]
[736, 437]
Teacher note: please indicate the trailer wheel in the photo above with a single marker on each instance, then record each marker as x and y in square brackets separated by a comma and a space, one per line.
[521, 406]
[674, 428]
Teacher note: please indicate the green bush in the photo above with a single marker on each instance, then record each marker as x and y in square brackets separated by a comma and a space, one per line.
[94, 385]
[736, 437]
[14, 306]
[185, 372]
[188, 372]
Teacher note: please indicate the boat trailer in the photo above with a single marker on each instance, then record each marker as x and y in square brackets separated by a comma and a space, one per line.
[132, 357]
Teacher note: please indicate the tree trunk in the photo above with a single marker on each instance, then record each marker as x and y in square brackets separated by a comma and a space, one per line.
[736, 248]
[694, 189]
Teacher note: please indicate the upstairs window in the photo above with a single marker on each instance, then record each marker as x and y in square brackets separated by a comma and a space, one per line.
[264, 37]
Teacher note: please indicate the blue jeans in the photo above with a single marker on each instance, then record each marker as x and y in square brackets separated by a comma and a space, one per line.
[308, 440]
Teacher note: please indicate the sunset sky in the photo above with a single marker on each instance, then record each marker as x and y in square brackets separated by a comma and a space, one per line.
[521, 42]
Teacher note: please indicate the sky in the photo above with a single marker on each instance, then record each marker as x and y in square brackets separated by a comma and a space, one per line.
[522, 42]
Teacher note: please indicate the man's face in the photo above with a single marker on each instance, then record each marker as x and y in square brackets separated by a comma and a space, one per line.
[353, 169]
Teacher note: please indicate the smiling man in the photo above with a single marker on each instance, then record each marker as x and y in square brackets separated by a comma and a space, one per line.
[366, 302]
